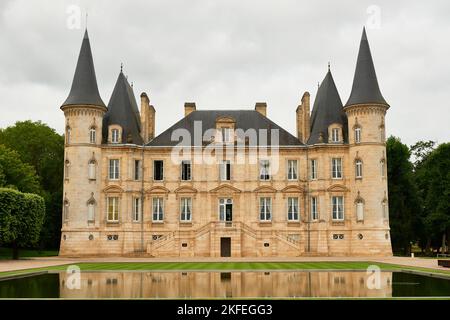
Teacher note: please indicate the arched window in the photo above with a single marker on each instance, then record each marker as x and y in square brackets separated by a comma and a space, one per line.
[68, 134]
[92, 169]
[91, 209]
[359, 203]
[66, 210]
[66, 169]
[358, 168]
[357, 134]
[92, 135]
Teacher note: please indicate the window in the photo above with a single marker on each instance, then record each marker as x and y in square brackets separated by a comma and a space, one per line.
[68, 135]
[66, 169]
[186, 170]
[113, 209]
[338, 208]
[115, 135]
[264, 170]
[382, 135]
[359, 210]
[91, 211]
[314, 209]
[66, 210]
[92, 135]
[137, 170]
[225, 209]
[186, 209]
[335, 135]
[225, 170]
[336, 168]
[92, 170]
[357, 135]
[313, 169]
[292, 209]
[158, 209]
[137, 209]
[383, 168]
[114, 165]
[226, 135]
[358, 168]
[385, 208]
[265, 209]
[292, 170]
[158, 170]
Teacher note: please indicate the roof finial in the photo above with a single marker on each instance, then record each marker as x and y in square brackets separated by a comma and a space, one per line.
[328, 65]
[121, 67]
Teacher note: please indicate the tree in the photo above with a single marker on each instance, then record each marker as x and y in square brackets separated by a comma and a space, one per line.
[404, 204]
[16, 174]
[43, 148]
[433, 178]
[420, 150]
[21, 218]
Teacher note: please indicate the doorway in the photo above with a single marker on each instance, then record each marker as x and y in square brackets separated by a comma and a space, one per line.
[225, 247]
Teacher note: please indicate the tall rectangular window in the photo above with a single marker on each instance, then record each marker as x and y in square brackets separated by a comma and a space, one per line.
[292, 170]
[314, 209]
[137, 170]
[336, 168]
[115, 136]
[225, 170]
[158, 170]
[137, 209]
[226, 135]
[338, 207]
[186, 209]
[292, 213]
[358, 168]
[186, 170]
[357, 135]
[114, 169]
[113, 209]
[264, 170]
[158, 209]
[265, 209]
[335, 135]
[313, 169]
[92, 135]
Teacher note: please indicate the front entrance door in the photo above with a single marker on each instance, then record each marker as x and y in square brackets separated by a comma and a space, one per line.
[226, 210]
[225, 247]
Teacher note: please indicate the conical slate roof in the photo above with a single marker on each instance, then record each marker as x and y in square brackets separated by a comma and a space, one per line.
[327, 109]
[365, 85]
[123, 111]
[84, 85]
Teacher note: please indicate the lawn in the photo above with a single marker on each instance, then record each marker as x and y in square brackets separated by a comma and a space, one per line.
[229, 266]
[6, 253]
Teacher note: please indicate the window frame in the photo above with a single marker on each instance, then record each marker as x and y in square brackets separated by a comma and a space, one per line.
[115, 209]
[340, 214]
[293, 216]
[357, 133]
[358, 169]
[294, 175]
[93, 135]
[114, 174]
[115, 138]
[225, 167]
[185, 203]
[314, 209]
[313, 169]
[158, 215]
[336, 174]
[265, 203]
[264, 171]
[186, 176]
[161, 170]
[335, 137]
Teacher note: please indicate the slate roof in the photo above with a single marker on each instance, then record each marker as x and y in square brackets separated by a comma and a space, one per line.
[327, 109]
[244, 119]
[365, 87]
[84, 85]
[123, 111]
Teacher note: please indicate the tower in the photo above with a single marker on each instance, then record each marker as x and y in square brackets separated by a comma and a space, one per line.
[83, 110]
[366, 109]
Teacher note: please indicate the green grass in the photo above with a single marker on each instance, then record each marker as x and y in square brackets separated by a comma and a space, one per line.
[229, 266]
[6, 253]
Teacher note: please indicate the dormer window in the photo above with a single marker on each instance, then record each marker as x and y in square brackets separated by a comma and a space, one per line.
[335, 135]
[225, 130]
[115, 136]
[92, 135]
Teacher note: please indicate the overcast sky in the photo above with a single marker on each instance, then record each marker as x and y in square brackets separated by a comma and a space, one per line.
[229, 55]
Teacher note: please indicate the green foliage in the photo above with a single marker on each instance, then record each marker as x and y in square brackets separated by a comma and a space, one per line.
[16, 174]
[21, 217]
[41, 147]
[420, 150]
[404, 204]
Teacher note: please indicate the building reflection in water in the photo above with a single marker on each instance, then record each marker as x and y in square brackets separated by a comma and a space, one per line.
[225, 285]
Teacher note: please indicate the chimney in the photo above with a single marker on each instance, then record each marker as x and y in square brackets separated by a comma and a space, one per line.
[303, 115]
[147, 119]
[261, 107]
[189, 107]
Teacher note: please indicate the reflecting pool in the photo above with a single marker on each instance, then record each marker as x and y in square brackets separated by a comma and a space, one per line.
[275, 284]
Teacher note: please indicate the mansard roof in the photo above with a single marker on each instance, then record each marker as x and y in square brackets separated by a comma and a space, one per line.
[244, 119]
[84, 90]
[365, 87]
[123, 111]
[327, 109]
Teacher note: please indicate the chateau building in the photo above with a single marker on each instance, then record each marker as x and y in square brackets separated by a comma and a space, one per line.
[222, 183]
